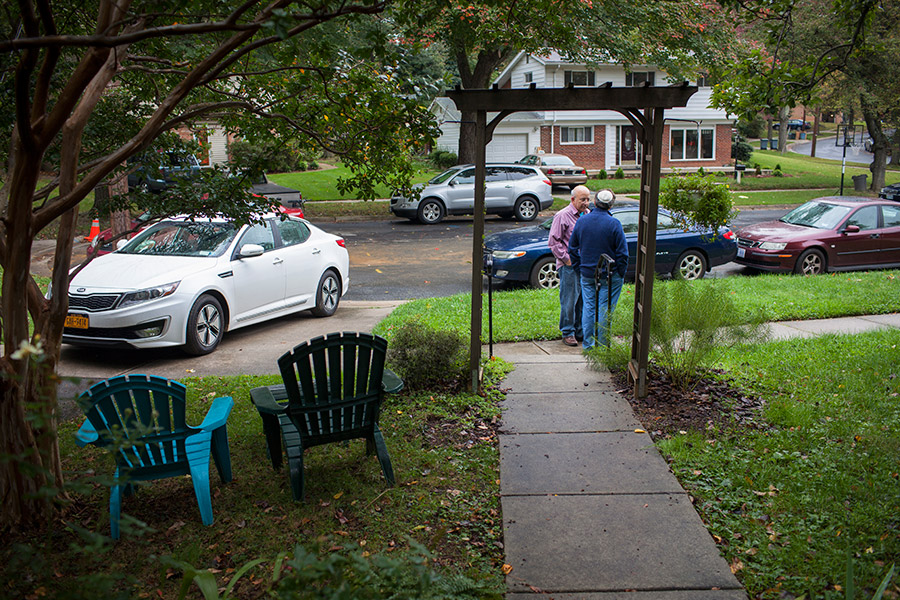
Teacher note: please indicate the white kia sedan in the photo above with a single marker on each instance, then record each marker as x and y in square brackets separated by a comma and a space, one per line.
[184, 282]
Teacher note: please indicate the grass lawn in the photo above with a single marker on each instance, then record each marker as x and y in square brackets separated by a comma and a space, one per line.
[321, 184]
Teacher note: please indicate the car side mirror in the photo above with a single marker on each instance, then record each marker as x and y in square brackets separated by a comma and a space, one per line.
[121, 244]
[851, 229]
[251, 250]
[451, 182]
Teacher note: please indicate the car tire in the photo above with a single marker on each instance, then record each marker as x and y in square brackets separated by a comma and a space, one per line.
[328, 294]
[690, 265]
[431, 211]
[811, 262]
[544, 275]
[527, 208]
[206, 326]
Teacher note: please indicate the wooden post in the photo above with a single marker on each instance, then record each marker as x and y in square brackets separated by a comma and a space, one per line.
[477, 251]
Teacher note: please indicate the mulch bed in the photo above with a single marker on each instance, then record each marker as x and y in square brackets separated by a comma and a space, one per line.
[714, 403]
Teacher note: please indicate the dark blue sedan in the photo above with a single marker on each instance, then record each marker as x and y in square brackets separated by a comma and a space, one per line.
[523, 254]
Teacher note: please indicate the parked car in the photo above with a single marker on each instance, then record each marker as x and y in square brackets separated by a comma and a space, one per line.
[102, 243]
[157, 179]
[184, 282]
[524, 254]
[512, 190]
[890, 192]
[833, 233]
[794, 125]
[558, 167]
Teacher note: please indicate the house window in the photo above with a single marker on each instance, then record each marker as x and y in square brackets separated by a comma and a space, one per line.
[579, 78]
[529, 77]
[576, 135]
[639, 78]
[691, 144]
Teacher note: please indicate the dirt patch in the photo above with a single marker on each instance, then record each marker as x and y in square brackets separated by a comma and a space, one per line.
[441, 432]
[716, 402]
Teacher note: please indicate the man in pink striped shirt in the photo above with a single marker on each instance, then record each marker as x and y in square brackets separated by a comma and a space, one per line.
[569, 284]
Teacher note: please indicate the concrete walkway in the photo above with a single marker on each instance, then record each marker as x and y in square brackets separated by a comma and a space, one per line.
[590, 509]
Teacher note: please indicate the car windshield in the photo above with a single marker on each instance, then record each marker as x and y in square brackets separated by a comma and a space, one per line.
[444, 176]
[182, 238]
[557, 160]
[820, 215]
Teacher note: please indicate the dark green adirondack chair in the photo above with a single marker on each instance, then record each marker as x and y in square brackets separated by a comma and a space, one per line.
[332, 391]
[140, 418]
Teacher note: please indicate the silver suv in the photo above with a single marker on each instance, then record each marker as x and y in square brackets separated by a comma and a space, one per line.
[511, 190]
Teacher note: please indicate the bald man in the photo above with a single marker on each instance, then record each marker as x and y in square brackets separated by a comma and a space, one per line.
[569, 286]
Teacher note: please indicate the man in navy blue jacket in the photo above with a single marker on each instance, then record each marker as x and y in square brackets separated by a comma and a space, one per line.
[596, 233]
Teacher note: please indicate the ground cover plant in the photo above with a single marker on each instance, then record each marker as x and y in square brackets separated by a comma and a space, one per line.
[445, 457]
[794, 463]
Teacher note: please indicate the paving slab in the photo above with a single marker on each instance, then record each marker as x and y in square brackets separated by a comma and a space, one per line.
[566, 411]
[552, 377]
[583, 463]
[531, 349]
[891, 320]
[595, 543]
[842, 325]
[632, 595]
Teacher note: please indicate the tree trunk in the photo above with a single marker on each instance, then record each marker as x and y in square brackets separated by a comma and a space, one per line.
[471, 78]
[119, 220]
[880, 146]
[815, 133]
[783, 115]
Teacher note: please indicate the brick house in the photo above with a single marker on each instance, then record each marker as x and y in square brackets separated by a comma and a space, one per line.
[694, 136]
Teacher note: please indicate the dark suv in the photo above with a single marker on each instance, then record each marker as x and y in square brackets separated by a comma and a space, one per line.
[156, 180]
[511, 190]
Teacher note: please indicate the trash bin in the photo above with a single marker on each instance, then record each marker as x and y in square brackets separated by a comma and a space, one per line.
[763, 144]
[859, 183]
[802, 135]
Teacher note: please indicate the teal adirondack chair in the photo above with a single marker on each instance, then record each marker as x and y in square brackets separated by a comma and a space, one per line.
[332, 391]
[140, 419]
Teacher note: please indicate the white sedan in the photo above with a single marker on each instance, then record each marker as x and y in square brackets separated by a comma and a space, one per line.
[185, 282]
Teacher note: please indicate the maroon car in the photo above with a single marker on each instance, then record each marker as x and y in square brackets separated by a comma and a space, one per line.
[834, 233]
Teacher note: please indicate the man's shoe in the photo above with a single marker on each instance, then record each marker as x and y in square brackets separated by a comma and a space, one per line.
[570, 340]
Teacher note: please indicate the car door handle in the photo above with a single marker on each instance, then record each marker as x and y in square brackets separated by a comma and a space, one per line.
[277, 261]
[316, 251]
[875, 236]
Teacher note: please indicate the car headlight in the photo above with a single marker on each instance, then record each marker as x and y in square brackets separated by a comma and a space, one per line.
[505, 254]
[772, 246]
[160, 291]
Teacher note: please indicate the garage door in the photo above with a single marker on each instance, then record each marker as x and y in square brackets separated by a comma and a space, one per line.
[507, 147]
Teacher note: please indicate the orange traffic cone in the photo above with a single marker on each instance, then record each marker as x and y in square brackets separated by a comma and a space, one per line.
[95, 231]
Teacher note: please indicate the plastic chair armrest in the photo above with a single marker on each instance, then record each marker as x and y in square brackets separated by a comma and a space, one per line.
[218, 413]
[265, 402]
[86, 434]
[391, 382]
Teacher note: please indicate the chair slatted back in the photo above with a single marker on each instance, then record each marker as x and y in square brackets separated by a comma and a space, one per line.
[143, 416]
[333, 383]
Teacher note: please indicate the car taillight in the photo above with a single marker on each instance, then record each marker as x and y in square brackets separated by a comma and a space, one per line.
[548, 182]
[728, 235]
[584, 171]
[341, 242]
[551, 172]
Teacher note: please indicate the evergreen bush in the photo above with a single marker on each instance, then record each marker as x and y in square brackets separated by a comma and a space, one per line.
[427, 358]
[697, 201]
[602, 174]
[620, 173]
[741, 151]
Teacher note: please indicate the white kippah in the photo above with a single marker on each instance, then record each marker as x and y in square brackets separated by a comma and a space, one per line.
[605, 196]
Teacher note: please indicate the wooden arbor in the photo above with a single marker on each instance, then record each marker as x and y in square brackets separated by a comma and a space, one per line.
[644, 107]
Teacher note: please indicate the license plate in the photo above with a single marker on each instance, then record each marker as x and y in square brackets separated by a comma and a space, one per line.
[77, 321]
[741, 253]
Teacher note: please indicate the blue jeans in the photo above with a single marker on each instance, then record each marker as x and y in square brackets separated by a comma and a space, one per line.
[569, 302]
[591, 312]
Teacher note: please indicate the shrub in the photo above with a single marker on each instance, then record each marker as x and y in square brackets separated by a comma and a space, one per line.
[620, 173]
[758, 169]
[741, 151]
[426, 357]
[777, 172]
[697, 201]
[442, 159]
[272, 156]
[602, 174]
[686, 340]
[701, 171]
[752, 128]
[778, 167]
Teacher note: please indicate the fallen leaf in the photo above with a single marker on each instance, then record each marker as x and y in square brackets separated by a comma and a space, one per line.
[338, 495]
[507, 569]
[639, 431]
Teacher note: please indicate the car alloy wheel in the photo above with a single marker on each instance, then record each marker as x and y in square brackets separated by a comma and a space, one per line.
[205, 326]
[328, 295]
[690, 266]
[811, 262]
[526, 209]
[431, 212]
[544, 274]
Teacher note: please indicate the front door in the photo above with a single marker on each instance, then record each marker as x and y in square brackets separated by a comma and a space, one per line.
[628, 146]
